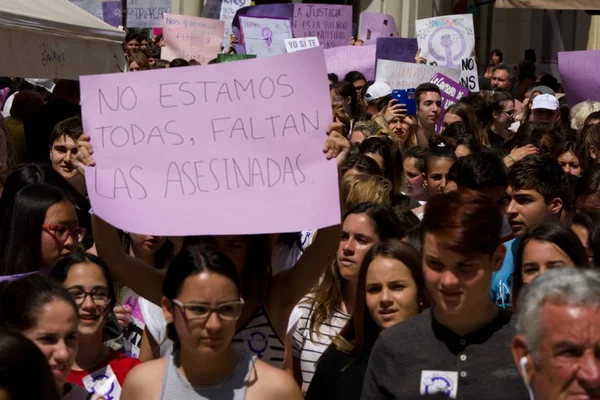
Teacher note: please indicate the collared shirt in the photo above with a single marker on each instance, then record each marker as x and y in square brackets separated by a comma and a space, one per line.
[421, 356]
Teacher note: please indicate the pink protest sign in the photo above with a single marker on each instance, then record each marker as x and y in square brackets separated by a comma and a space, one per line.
[341, 60]
[233, 148]
[377, 25]
[191, 38]
[332, 24]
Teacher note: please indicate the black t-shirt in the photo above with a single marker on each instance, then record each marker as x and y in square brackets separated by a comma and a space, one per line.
[338, 376]
[421, 356]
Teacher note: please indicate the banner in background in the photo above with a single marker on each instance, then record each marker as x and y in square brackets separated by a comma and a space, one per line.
[191, 38]
[446, 40]
[147, 13]
[341, 60]
[224, 10]
[245, 138]
[580, 75]
[469, 77]
[292, 45]
[112, 13]
[265, 36]
[397, 49]
[451, 92]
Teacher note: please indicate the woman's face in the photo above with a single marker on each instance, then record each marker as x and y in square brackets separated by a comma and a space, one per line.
[495, 59]
[357, 137]
[55, 334]
[391, 292]
[505, 117]
[400, 129]
[56, 241]
[570, 163]
[415, 179]
[584, 237]
[207, 335]
[539, 257]
[358, 85]
[462, 150]
[438, 174]
[133, 67]
[236, 247]
[450, 118]
[147, 243]
[588, 202]
[358, 236]
[88, 286]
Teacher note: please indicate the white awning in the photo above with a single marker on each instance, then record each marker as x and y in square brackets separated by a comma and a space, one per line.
[550, 4]
[56, 39]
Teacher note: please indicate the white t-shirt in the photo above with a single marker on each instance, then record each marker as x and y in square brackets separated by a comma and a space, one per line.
[156, 324]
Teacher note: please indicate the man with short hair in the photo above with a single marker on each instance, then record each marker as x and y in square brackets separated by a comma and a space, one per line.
[504, 77]
[63, 150]
[429, 106]
[557, 343]
[537, 191]
[460, 346]
[376, 92]
[545, 109]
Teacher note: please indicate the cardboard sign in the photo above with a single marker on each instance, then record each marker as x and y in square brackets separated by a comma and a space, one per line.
[94, 7]
[224, 10]
[265, 36]
[233, 148]
[446, 40]
[580, 75]
[191, 38]
[112, 12]
[469, 77]
[341, 60]
[401, 75]
[377, 25]
[396, 49]
[147, 13]
[451, 92]
[292, 45]
[332, 24]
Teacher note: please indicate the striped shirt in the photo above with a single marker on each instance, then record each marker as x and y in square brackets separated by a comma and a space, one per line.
[309, 346]
[258, 338]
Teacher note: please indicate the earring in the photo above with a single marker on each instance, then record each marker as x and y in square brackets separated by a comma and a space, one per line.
[425, 188]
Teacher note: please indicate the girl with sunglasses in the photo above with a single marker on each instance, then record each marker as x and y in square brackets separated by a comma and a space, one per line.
[202, 303]
[39, 229]
[98, 368]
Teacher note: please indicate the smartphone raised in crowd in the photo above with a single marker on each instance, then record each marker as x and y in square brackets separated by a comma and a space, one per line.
[407, 97]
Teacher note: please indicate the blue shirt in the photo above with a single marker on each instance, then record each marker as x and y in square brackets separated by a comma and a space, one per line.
[502, 280]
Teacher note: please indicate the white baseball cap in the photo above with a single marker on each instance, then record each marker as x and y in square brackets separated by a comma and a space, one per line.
[545, 101]
[378, 90]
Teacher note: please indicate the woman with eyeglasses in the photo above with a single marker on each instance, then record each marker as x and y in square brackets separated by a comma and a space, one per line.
[89, 282]
[39, 229]
[202, 303]
[504, 112]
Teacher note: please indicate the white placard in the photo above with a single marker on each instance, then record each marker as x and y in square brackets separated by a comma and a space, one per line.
[224, 10]
[446, 40]
[147, 13]
[265, 36]
[469, 77]
[401, 75]
[293, 45]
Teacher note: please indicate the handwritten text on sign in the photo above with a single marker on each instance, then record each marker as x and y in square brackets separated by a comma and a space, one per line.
[232, 148]
[191, 38]
[146, 13]
[332, 24]
[401, 75]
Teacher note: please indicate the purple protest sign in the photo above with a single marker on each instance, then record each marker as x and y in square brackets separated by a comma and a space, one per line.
[112, 13]
[332, 24]
[341, 60]
[396, 49]
[377, 25]
[451, 92]
[580, 75]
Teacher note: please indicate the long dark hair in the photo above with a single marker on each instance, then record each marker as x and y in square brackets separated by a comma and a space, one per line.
[193, 260]
[20, 231]
[19, 357]
[62, 268]
[360, 333]
[327, 296]
[557, 234]
[28, 174]
[22, 300]
[590, 220]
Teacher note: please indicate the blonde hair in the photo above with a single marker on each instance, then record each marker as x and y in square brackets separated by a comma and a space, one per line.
[367, 128]
[365, 188]
[411, 140]
[580, 111]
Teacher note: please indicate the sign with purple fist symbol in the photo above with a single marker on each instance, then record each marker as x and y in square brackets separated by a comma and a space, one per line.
[446, 40]
[265, 36]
